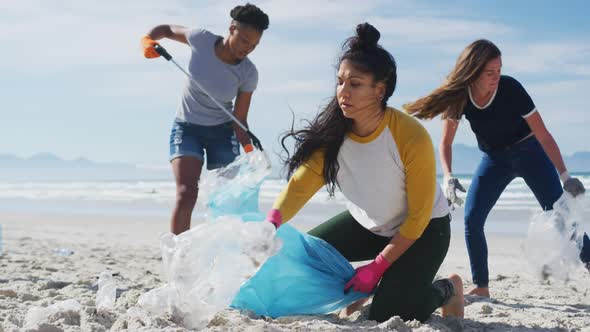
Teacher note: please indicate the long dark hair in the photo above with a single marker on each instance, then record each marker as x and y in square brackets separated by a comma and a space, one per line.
[327, 131]
[450, 98]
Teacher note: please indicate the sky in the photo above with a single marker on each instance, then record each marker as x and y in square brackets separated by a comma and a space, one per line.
[74, 81]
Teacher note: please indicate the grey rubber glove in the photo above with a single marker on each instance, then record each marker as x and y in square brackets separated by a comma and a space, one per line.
[574, 186]
[451, 186]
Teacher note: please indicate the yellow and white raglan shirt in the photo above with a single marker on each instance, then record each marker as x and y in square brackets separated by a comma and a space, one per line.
[389, 179]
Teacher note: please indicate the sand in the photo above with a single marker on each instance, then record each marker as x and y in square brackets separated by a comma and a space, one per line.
[36, 280]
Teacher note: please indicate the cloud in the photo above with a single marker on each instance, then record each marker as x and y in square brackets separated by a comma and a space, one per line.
[275, 53]
[301, 86]
[548, 57]
[72, 33]
[305, 13]
[51, 36]
[92, 48]
[564, 101]
[429, 29]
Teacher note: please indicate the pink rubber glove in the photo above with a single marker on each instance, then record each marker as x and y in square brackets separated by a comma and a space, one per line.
[367, 276]
[274, 217]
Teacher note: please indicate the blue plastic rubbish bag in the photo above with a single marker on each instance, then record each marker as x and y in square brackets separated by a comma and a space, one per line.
[307, 276]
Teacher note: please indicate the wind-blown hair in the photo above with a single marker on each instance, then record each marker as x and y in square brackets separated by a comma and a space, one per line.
[450, 98]
[327, 131]
[250, 15]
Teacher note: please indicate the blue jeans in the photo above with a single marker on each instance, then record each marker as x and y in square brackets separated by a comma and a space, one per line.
[218, 142]
[497, 169]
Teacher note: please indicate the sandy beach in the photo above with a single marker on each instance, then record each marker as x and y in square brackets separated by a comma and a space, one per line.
[33, 275]
[108, 112]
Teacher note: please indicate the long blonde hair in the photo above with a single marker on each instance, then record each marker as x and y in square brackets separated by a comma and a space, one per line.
[450, 98]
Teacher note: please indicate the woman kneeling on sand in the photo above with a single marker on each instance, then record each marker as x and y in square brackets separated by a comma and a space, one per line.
[383, 162]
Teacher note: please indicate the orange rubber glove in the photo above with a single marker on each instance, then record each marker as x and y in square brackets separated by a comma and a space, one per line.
[148, 47]
[248, 148]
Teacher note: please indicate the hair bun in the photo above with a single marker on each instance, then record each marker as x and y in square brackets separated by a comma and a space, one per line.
[367, 36]
[235, 12]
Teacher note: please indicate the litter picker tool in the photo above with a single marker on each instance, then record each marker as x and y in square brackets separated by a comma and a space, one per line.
[255, 141]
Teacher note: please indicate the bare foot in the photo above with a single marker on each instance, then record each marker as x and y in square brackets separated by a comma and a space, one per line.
[352, 308]
[480, 291]
[455, 306]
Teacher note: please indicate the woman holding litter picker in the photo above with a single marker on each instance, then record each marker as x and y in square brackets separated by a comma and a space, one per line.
[221, 66]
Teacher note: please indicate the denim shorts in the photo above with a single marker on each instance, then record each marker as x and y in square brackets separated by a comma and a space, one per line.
[218, 143]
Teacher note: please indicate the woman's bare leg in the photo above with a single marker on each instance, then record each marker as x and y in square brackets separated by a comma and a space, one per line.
[187, 171]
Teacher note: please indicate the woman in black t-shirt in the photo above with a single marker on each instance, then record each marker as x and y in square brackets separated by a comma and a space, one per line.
[512, 136]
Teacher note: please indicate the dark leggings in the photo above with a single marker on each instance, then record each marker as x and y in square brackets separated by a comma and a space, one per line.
[406, 287]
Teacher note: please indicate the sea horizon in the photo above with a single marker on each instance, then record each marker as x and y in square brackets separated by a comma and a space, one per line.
[155, 198]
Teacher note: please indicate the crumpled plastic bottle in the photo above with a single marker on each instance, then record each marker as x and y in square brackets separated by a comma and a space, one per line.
[63, 252]
[1, 252]
[107, 290]
[553, 242]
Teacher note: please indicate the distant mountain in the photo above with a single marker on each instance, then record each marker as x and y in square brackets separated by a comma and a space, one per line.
[49, 167]
[466, 158]
[578, 162]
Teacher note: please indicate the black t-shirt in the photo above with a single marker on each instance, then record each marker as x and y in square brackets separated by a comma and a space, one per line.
[501, 122]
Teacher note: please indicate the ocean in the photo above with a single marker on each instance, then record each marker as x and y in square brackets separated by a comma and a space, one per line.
[155, 199]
